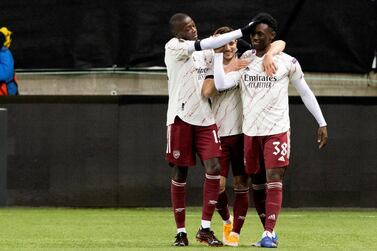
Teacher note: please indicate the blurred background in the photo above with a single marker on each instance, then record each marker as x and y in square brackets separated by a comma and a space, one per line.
[88, 128]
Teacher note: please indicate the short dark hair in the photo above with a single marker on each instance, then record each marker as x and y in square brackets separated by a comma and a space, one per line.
[266, 18]
[176, 19]
[222, 30]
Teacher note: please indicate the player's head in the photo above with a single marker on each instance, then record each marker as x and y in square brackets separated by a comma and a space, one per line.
[182, 26]
[264, 31]
[229, 50]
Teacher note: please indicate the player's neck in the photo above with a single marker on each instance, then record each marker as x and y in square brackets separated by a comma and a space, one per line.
[260, 53]
[226, 61]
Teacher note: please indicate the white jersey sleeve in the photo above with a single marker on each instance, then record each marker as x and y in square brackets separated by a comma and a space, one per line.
[223, 81]
[295, 71]
[309, 100]
[178, 48]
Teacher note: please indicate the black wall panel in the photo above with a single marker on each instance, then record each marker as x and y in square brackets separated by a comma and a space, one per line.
[325, 36]
[109, 152]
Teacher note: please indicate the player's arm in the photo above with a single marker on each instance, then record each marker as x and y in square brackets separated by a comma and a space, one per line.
[222, 81]
[312, 105]
[268, 62]
[208, 88]
[218, 41]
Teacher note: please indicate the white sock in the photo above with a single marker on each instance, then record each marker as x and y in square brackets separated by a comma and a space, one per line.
[182, 229]
[228, 221]
[266, 233]
[235, 234]
[206, 224]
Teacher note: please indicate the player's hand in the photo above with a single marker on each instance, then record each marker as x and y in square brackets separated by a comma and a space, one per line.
[269, 65]
[248, 29]
[322, 137]
[236, 65]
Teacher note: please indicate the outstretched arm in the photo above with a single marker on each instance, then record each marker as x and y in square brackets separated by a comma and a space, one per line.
[268, 62]
[218, 41]
[312, 105]
[222, 81]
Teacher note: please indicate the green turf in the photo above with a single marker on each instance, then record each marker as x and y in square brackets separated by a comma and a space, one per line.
[153, 229]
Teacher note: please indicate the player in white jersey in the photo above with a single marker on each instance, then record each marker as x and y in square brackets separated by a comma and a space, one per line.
[191, 126]
[227, 108]
[266, 120]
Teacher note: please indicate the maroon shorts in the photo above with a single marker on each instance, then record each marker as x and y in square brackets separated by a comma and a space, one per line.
[266, 152]
[185, 140]
[232, 155]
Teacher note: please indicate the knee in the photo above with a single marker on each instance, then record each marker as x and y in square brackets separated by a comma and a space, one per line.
[212, 166]
[241, 182]
[275, 176]
[179, 174]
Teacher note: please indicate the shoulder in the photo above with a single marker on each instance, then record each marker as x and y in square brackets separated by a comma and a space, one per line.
[204, 54]
[286, 58]
[175, 43]
[5, 52]
[171, 42]
[248, 54]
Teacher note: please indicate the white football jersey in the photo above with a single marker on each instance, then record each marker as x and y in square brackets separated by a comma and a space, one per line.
[264, 98]
[227, 108]
[186, 73]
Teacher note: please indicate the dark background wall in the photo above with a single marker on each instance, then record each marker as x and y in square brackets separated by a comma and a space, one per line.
[109, 152]
[325, 36]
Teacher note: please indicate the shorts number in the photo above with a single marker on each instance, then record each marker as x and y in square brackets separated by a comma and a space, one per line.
[283, 150]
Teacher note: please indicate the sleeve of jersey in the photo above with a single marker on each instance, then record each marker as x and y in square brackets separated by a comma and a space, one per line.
[295, 70]
[222, 81]
[213, 42]
[178, 48]
[309, 100]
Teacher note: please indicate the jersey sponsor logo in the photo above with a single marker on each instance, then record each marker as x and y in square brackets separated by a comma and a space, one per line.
[258, 78]
[201, 70]
[176, 154]
[259, 81]
[202, 73]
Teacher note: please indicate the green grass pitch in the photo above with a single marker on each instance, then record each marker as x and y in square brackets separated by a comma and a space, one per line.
[154, 229]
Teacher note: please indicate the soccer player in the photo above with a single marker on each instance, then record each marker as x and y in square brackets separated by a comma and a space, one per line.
[191, 126]
[266, 120]
[227, 109]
